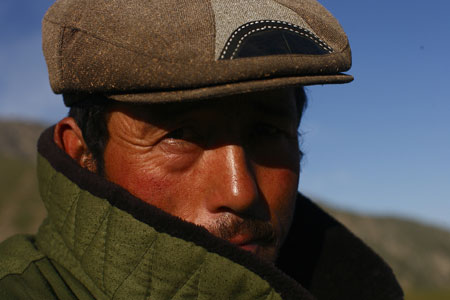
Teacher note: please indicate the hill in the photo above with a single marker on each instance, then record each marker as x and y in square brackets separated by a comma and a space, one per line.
[419, 254]
[20, 207]
[18, 139]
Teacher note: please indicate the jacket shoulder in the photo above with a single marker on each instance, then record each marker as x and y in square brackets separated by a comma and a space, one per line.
[17, 253]
[27, 273]
[20, 278]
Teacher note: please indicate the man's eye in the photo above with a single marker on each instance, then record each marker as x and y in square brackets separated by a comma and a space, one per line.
[184, 133]
[267, 130]
[181, 140]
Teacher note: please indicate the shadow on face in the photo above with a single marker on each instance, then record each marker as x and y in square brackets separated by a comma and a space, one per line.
[225, 164]
[264, 124]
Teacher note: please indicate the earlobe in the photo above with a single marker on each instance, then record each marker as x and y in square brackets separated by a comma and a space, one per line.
[68, 136]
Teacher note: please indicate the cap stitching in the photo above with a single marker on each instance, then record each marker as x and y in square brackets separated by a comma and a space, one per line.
[302, 31]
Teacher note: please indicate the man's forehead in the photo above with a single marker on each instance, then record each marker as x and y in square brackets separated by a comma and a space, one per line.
[279, 103]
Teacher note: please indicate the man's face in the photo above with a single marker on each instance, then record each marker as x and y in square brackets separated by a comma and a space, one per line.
[230, 165]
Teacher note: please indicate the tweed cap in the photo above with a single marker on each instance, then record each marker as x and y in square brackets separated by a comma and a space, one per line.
[174, 50]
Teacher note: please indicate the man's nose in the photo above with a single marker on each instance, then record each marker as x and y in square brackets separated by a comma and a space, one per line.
[236, 187]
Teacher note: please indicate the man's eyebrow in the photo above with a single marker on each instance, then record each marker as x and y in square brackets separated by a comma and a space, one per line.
[277, 110]
[185, 107]
[170, 114]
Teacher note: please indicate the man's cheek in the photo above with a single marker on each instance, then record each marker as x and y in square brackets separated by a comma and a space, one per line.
[150, 188]
[170, 191]
[143, 181]
[278, 184]
[279, 188]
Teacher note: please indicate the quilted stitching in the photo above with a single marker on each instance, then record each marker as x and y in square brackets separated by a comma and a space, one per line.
[69, 221]
[134, 274]
[105, 243]
[91, 213]
[103, 255]
[182, 292]
[93, 267]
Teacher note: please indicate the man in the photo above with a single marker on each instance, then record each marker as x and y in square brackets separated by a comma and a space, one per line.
[175, 175]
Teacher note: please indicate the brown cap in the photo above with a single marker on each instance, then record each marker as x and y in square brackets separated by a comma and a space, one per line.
[172, 50]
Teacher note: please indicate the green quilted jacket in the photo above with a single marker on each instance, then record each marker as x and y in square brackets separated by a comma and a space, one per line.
[100, 242]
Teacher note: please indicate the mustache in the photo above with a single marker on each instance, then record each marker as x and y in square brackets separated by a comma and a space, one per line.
[228, 226]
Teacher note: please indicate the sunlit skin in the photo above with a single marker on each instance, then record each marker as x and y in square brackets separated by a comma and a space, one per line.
[230, 164]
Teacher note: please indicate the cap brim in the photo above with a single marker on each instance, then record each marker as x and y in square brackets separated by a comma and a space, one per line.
[229, 89]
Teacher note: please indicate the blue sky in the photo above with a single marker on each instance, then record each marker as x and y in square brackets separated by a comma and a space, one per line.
[379, 145]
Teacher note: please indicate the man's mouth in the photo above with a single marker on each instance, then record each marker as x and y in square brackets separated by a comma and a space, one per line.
[248, 234]
[249, 243]
[253, 248]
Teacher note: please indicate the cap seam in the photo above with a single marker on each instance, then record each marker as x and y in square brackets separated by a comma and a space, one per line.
[60, 52]
[114, 43]
[300, 16]
[213, 17]
[326, 40]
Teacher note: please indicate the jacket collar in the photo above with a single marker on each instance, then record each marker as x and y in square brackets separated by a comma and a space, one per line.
[117, 245]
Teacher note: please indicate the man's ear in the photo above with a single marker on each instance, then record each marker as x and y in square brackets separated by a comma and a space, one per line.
[68, 136]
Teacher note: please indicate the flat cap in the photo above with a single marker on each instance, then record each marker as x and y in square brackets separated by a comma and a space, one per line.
[174, 50]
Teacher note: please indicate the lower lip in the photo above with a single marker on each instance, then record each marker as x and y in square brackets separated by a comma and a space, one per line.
[249, 247]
